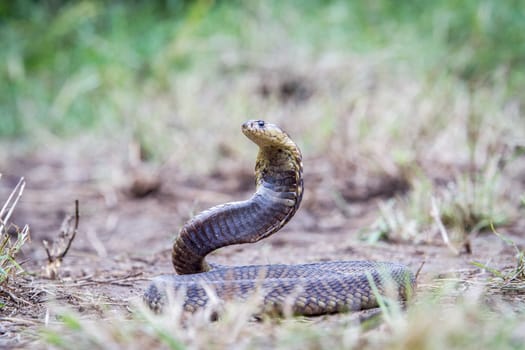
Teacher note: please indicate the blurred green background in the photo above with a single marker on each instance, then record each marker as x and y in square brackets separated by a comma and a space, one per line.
[65, 64]
[415, 90]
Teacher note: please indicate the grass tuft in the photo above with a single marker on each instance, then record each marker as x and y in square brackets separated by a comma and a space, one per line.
[9, 248]
[511, 279]
[465, 206]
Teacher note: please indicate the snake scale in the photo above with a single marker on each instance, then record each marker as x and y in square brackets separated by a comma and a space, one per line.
[304, 289]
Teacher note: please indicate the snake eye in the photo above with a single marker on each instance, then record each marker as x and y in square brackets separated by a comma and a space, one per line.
[260, 123]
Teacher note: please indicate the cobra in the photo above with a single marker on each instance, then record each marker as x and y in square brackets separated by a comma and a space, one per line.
[305, 289]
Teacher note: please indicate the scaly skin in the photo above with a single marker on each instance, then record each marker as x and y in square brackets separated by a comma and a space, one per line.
[308, 289]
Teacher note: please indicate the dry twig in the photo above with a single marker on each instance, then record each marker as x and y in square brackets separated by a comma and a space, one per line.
[57, 253]
[13, 297]
[419, 269]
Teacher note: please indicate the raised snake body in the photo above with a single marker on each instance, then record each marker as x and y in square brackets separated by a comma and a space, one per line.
[306, 289]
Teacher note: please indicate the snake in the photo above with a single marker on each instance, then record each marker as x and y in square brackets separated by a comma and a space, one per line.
[307, 289]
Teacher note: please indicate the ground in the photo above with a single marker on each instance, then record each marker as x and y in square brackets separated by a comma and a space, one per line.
[125, 235]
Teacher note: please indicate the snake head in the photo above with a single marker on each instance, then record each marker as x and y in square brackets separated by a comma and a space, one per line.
[266, 134]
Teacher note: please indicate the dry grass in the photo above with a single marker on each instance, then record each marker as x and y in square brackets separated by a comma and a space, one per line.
[431, 323]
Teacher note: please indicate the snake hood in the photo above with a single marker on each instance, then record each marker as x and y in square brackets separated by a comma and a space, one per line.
[279, 190]
[279, 164]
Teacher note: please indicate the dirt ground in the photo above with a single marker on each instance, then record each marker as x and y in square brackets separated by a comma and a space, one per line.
[125, 233]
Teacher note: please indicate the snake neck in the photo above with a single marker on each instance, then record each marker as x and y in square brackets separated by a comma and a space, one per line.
[278, 175]
[279, 178]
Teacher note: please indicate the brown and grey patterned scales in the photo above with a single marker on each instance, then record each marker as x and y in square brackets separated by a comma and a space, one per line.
[306, 289]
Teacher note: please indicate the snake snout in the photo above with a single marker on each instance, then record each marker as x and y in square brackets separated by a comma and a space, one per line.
[253, 125]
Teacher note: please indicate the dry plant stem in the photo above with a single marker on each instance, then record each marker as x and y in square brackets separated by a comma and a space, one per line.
[444, 234]
[14, 297]
[419, 269]
[75, 228]
[14, 197]
[19, 320]
[55, 258]
[50, 258]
